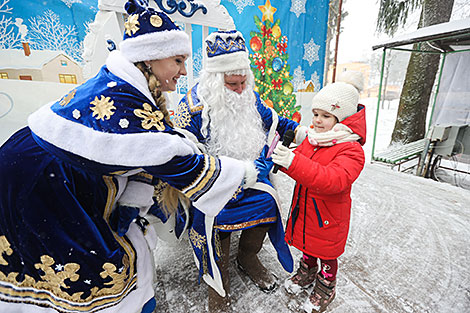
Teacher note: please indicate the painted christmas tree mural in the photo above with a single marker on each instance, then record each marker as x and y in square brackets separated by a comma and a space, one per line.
[270, 66]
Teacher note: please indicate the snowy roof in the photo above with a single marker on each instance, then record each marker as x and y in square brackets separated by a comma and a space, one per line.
[450, 33]
[16, 59]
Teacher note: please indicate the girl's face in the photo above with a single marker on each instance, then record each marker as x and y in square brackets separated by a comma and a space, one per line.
[323, 121]
[168, 71]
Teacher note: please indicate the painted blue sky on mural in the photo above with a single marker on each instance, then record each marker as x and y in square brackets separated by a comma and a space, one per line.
[61, 25]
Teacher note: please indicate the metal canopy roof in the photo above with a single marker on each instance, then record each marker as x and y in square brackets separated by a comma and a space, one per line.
[444, 35]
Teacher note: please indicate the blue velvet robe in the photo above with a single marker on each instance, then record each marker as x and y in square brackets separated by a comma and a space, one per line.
[248, 207]
[60, 179]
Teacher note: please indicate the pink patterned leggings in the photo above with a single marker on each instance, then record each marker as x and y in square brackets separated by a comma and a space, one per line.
[328, 268]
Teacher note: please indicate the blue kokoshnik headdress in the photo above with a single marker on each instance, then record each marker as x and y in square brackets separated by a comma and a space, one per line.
[226, 51]
[151, 35]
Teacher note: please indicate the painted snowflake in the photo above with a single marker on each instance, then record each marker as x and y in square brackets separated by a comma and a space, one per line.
[103, 108]
[197, 62]
[241, 4]
[69, 3]
[315, 81]
[182, 85]
[298, 7]
[298, 78]
[311, 52]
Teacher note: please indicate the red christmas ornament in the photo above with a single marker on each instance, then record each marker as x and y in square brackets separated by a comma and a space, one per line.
[261, 64]
[256, 43]
[277, 84]
[266, 31]
[296, 117]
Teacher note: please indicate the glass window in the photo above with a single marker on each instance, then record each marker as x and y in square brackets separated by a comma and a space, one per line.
[3, 75]
[63, 63]
[68, 78]
[26, 77]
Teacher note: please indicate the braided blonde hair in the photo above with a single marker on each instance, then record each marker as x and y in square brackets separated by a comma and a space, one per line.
[155, 90]
[170, 196]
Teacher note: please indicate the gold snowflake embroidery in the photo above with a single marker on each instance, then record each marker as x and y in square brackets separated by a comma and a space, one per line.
[102, 108]
[65, 100]
[132, 24]
[150, 118]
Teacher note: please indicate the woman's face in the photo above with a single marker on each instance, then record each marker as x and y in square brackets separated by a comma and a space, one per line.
[168, 71]
[323, 121]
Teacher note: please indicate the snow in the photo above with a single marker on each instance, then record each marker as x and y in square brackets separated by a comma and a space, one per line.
[407, 251]
[443, 29]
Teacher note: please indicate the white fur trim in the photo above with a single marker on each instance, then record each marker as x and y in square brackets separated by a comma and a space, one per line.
[137, 194]
[156, 46]
[124, 69]
[251, 174]
[227, 62]
[301, 134]
[216, 281]
[135, 150]
[230, 178]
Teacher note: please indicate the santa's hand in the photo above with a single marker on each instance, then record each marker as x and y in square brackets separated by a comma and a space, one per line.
[283, 156]
[136, 198]
[122, 217]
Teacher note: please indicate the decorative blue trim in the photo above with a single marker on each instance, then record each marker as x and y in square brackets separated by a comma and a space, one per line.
[181, 5]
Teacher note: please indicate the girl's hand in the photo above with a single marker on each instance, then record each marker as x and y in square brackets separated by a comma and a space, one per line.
[283, 156]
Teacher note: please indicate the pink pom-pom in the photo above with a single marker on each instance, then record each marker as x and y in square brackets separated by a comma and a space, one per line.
[334, 141]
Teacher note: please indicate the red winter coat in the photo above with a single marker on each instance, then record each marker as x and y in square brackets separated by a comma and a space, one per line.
[319, 221]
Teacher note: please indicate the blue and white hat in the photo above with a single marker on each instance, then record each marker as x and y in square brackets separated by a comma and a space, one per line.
[151, 35]
[226, 51]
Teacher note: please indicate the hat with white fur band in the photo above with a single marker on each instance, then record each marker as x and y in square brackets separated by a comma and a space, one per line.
[226, 51]
[151, 35]
[342, 97]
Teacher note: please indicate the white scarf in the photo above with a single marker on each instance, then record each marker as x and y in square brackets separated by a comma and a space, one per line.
[338, 134]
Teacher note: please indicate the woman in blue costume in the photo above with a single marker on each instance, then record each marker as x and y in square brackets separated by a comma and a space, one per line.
[73, 181]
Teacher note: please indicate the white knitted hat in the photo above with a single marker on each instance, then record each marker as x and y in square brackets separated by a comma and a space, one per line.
[226, 51]
[342, 97]
[151, 35]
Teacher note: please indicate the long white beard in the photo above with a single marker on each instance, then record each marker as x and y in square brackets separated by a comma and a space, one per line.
[236, 128]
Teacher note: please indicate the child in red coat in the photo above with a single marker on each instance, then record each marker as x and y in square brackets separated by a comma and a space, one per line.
[324, 166]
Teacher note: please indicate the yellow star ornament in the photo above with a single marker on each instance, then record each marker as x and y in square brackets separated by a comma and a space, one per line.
[103, 108]
[268, 11]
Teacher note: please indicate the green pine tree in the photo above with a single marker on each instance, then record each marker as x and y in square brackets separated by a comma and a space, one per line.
[270, 68]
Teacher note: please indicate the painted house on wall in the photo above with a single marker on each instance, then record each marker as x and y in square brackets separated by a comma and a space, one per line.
[39, 65]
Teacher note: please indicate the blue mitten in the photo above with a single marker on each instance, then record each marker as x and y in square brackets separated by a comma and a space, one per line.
[136, 199]
[122, 217]
[263, 164]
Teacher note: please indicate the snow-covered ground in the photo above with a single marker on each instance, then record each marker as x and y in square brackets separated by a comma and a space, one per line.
[408, 248]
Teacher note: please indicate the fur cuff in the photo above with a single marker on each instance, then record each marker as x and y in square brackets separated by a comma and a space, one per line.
[251, 174]
[300, 134]
[137, 194]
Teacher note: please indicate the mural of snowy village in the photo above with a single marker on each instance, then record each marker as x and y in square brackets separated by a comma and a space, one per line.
[49, 46]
